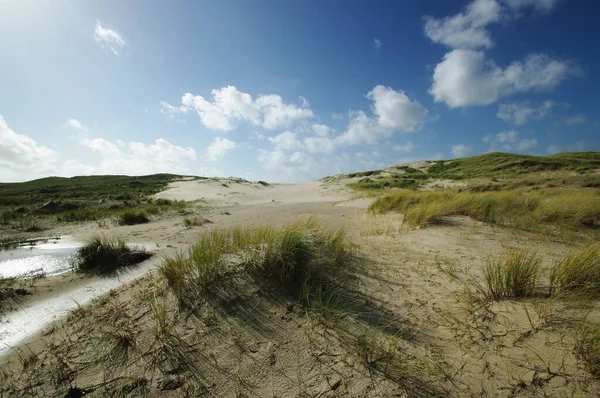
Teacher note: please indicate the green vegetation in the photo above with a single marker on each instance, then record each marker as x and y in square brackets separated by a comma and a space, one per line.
[503, 164]
[80, 199]
[578, 273]
[105, 256]
[297, 255]
[132, 217]
[513, 276]
[554, 209]
[492, 171]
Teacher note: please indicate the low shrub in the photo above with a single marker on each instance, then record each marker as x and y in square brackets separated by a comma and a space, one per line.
[132, 217]
[104, 256]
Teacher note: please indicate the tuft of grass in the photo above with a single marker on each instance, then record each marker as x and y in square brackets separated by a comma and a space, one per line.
[587, 347]
[103, 256]
[190, 222]
[297, 255]
[578, 272]
[514, 276]
[132, 217]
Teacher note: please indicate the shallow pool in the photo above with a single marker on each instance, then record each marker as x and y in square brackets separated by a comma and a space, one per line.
[46, 257]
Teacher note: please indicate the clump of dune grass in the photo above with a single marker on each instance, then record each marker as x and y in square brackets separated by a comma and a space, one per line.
[513, 276]
[557, 209]
[577, 273]
[587, 347]
[101, 255]
[290, 255]
[132, 217]
[190, 222]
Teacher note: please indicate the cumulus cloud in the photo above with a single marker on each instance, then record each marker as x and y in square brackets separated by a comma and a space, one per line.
[218, 148]
[393, 111]
[520, 112]
[509, 141]
[321, 130]
[320, 144]
[109, 38]
[469, 28]
[466, 77]
[286, 141]
[461, 150]
[466, 29]
[21, 157]
[228, 106]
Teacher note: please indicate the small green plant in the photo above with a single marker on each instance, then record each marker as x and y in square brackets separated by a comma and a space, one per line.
[513, 276]
[587, 347]
[132, 217]
[578, 273]
[101, 255]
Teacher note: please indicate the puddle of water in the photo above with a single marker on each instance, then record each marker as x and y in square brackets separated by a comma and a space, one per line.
[30, 318]
[49, 257]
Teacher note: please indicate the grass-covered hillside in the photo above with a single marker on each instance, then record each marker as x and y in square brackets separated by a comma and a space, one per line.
[496, 170]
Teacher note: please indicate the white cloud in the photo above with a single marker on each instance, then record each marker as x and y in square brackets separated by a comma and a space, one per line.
[363, 129]
[466, 77]
[537, 5]
[21, 157]
[276, 114]
[292, 164]
[520, 112]
[76, 124]
[575, 120]
[407, 147]
[320, 144]
[228, 106]
[509, 141]
[321, 130]
[171, 111]
[286, 141]
[466, 29]
[461, 150]
[394, 111]
[377, 44]
[135, 158]
[469, 28]
[109, 38]
[218, 148]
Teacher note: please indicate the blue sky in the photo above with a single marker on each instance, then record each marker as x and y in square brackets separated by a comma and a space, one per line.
[290, 91]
